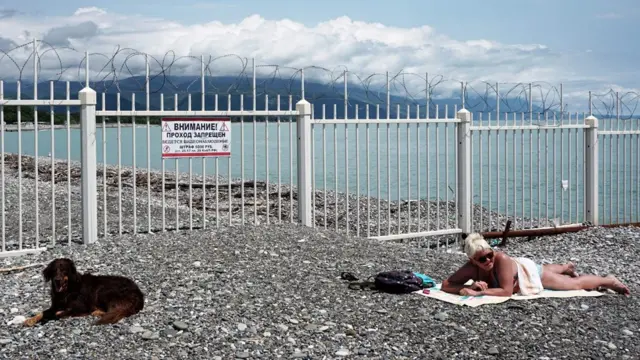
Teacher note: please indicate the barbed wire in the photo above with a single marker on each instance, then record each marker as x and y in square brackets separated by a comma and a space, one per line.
[125, 71]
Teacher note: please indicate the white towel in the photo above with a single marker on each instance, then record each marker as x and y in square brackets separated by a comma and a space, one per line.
[528, 277]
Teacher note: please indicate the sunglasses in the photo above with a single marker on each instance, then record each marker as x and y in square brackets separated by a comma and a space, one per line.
[485, 258]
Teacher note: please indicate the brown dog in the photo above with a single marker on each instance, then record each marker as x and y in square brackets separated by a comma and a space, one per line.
[111, 298]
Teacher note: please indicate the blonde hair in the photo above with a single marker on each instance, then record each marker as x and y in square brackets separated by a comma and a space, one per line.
[473, 243]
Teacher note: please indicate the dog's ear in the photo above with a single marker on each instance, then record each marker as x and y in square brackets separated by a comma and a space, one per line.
[49, 272]
[74, 275]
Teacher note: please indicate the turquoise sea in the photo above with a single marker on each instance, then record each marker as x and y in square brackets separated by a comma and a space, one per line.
[519, 172]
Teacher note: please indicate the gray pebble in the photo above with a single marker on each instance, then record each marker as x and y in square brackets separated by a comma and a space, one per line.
[180, 325]
[243, 355]
[171, 333]
[136, 329]
[627, 332]
[493, 351]
[343, 352]
[441, 316]
[242, 327]
[5, 341]
[150, 335]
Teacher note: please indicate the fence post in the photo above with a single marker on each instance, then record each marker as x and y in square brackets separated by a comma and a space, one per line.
[87, 98]
[464, 171]
[591, 170]
[305, 162]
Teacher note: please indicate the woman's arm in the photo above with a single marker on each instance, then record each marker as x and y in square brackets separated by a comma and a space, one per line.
[456, 282]
[504, 267]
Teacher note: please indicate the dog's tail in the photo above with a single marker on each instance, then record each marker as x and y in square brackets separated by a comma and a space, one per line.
[124, 309]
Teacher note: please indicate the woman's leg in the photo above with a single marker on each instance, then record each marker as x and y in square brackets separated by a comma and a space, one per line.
[554, 281]
[565, 269]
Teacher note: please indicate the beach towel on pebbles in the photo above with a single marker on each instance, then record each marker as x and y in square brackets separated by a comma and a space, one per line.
[474, 301]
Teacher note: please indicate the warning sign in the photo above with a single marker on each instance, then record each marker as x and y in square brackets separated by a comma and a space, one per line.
[196, 137]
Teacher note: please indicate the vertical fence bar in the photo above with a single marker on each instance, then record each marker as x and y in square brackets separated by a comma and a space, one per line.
[408, 170]
[241, 157]
[378, 184]
[561, 172]
[229, 168]
[427, 154]
[618, 158]
[133, 166]
[266, 157]
[357, 173]
[291, 161]
[148, 107]
[118, 106]
[324, 162]
[304, 162]
[204, 159]
[368, 167]
[418, 182]
[335, 166]
[68, 123]
[438, 184]
[446, 164]
[163, 170]
[35, 144]
[346, 152]
[19, 120]
[480, 168]
[398, 165]
[464, 171]
[217, 172]
[189, 108]
[104, 168]
[280, 163]
[255, 140]
[591, 170]
[177, 173]
[3, 202]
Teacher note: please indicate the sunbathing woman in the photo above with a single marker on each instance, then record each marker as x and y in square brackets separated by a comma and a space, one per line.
[497, 274]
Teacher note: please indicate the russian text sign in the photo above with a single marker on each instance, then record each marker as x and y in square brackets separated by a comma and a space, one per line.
[196, 137]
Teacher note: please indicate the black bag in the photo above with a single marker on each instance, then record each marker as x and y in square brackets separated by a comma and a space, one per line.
[399, 282]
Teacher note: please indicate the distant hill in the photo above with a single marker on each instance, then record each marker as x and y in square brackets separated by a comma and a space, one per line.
[318, 94]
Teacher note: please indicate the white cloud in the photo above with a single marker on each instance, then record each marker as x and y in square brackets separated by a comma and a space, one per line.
[363, 48]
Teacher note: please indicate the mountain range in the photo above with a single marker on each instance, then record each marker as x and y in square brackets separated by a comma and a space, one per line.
[317, 93]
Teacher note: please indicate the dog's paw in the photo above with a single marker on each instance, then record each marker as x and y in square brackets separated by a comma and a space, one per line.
[32, 321]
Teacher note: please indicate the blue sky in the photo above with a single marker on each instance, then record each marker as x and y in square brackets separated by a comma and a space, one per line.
[590, 43]
[606, 25]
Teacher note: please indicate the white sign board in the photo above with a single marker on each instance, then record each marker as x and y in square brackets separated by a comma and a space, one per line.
[196, 137]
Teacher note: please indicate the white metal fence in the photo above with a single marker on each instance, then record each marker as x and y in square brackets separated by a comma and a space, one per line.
[408, 173]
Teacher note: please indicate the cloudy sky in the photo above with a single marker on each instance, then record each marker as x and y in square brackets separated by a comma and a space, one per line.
[585, 44]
